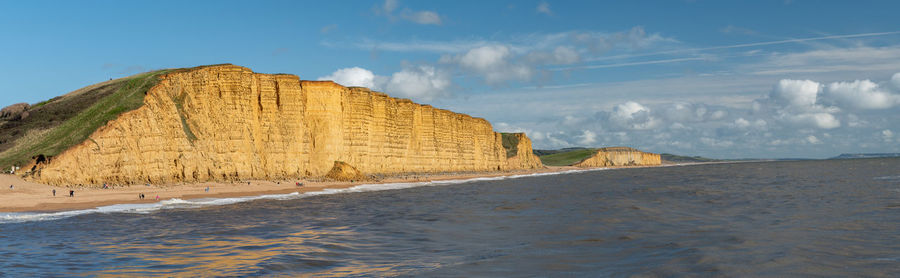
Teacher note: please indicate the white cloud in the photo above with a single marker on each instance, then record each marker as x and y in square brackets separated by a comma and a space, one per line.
[896, 80]
[389, 6]
[862, 94]
[544, 8]
[493, 63]
[353, 77]
[887, 135]
[419, 82]
[422, 17]
[813, 140]
[633, 115]
[588, 138]
[800, 94]
[819, 120]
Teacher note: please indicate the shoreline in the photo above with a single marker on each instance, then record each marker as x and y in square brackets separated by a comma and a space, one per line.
[29, 197]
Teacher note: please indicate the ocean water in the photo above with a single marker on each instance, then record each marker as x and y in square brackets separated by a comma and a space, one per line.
[774, 219]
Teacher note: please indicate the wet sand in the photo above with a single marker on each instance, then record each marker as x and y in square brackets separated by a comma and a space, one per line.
[34, 197]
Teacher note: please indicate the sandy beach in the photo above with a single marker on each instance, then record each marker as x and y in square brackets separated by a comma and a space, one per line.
[27, 196]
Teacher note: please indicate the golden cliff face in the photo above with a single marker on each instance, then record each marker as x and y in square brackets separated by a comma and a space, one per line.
[620, 156]
[525, 157]
[229, 123]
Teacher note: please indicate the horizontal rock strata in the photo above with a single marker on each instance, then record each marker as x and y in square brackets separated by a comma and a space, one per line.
[620, 156]
[228, 123]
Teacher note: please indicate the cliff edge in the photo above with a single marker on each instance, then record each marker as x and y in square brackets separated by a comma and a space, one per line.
[620, 156]
[226, 122]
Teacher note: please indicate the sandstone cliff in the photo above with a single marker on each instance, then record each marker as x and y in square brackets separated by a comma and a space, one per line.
[228, 123]
[620, 156]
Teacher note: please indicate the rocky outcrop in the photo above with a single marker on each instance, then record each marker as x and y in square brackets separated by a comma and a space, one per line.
[620, 156]
[15, 112]
[523, 156]
[344, 172]
[228, 123]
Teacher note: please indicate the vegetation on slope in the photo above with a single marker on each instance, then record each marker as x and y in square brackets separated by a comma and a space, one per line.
[567, 158]
[511, 144]
[62, 122]
[678, 158]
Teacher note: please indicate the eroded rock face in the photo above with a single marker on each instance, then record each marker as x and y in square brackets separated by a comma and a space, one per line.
[620, 156]
[525, 157]
[229, 123]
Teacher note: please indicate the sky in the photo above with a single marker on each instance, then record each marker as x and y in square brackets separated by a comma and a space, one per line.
[721, 79]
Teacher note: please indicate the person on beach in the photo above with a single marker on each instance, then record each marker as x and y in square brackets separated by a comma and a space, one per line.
[54, 192]
[157, 198]
[71, 193]
[10, 186]
[207, 189]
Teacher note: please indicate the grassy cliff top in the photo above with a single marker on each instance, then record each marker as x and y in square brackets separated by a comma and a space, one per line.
[52, 126]
[567, 158]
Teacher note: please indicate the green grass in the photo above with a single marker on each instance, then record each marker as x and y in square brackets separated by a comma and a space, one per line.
[567, 158]
[511, 144]
[179, 105]
[76, 129]
[680, 158]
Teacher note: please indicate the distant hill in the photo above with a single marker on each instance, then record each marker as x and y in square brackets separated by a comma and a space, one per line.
[678, 158]
[865, 155]
[563, 150]
[565, 157]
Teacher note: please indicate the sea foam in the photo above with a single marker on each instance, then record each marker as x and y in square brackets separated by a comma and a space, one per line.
[175, 203]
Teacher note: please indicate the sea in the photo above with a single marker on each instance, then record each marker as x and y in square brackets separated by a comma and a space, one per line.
[824, 218]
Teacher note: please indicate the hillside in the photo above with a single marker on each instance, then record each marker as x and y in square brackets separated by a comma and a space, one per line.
[52, 126]
[225, 123]
[567, 158]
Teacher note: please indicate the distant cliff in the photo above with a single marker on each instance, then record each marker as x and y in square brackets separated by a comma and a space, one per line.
[620, 156]
[226, 122]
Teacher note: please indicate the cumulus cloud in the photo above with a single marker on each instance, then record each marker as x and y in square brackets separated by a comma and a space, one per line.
[544, 8]
[493, 62]
[819, 120]
[633, 115]
[422, 83]
[353, 77]
[742, 123]
[799, 94]
[588, 138]
[861, 94]
[813, 140]
[419, 82]
[797, 102]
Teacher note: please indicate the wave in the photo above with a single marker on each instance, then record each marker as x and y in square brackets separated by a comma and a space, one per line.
[887, 178]
[175, 203]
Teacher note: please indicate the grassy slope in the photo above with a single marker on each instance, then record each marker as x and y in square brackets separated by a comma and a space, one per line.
[567, 158]
[679, 158]
[32, 139]
[511, 144]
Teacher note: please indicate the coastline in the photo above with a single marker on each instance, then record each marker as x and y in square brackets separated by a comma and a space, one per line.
[29, 197]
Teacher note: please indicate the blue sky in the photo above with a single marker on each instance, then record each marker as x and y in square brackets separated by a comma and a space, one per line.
[725, 79]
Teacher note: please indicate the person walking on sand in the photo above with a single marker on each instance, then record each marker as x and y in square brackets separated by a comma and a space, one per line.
[54, 192]
[71, 193]
[207, 189]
